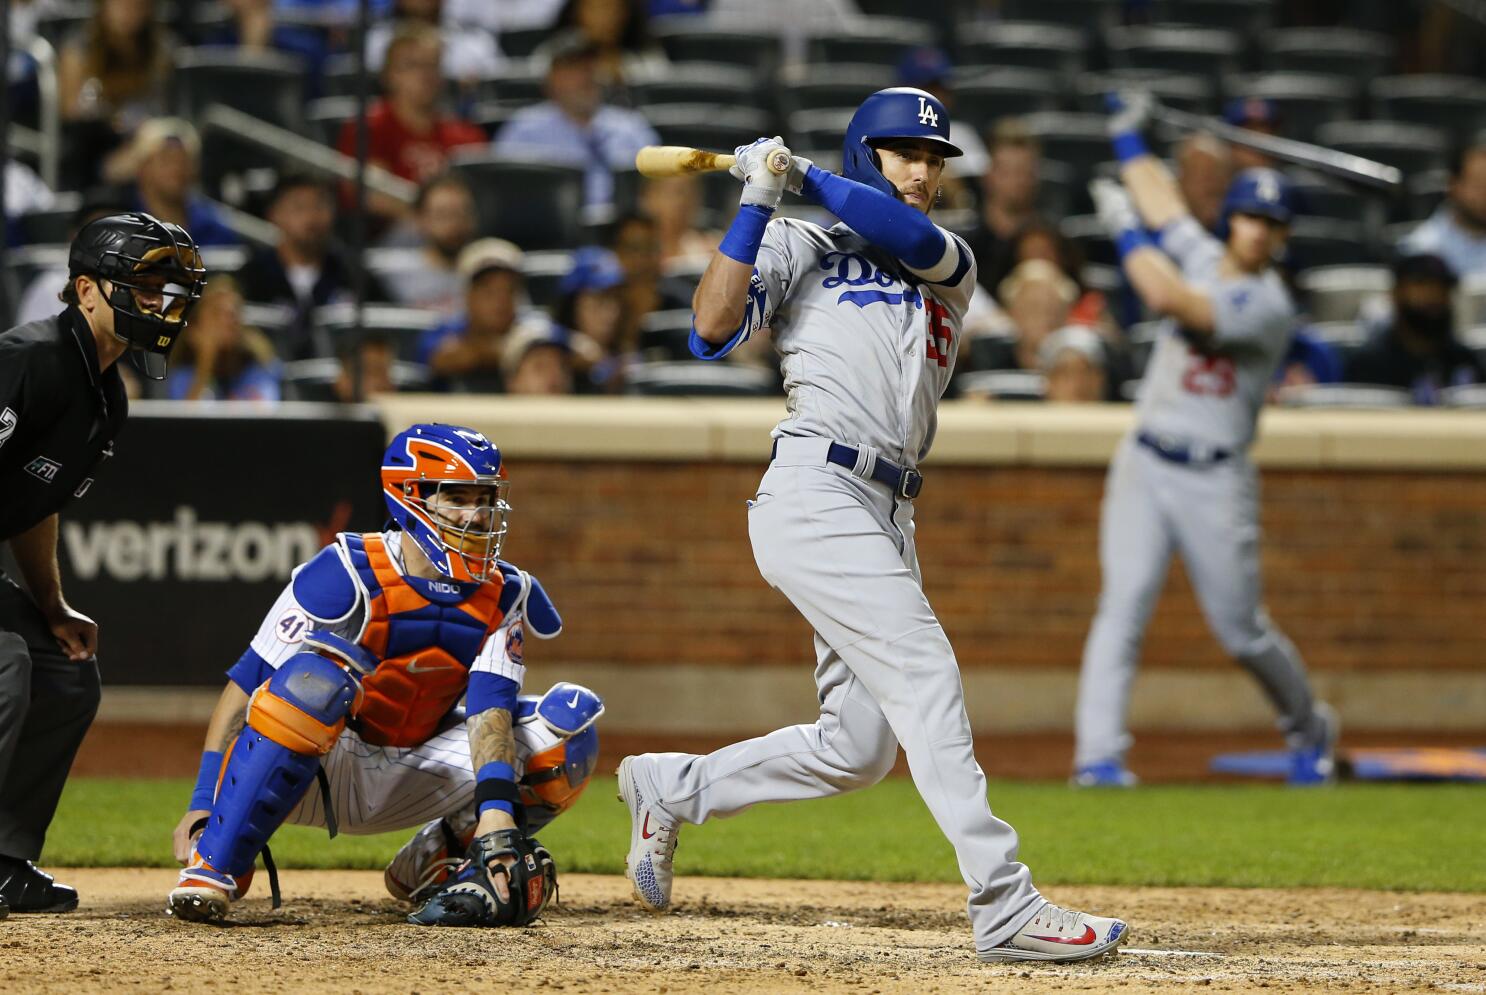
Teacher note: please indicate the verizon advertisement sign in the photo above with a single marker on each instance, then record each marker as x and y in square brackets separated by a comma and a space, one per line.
[194, 526]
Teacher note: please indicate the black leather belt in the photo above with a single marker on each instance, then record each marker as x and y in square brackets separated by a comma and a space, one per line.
[901, 481]
[1177, 451]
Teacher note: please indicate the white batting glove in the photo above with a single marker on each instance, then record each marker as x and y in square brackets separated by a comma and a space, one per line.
[798, 167]
[1113, 206]
[761, 185]
[1129, 112]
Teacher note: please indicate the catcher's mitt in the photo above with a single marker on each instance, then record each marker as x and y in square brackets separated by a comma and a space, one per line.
[469, 899]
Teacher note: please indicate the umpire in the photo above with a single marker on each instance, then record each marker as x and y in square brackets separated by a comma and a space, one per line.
[131, 282]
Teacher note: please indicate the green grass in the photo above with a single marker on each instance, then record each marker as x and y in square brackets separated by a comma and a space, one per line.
[1376, 836]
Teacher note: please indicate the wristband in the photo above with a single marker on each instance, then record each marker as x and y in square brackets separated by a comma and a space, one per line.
[1129, 145]
[1131, 239]
[205, 792]
[746, 233]
[495, 787]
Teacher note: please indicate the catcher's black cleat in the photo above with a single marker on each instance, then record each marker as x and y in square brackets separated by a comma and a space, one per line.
[23, 888]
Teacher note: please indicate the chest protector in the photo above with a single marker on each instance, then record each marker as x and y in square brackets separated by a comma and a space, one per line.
[426, 642]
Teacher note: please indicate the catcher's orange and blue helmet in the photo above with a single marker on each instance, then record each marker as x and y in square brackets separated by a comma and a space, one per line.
[446, 488]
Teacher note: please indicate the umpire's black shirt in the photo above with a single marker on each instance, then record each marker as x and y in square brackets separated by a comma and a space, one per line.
[59, 416]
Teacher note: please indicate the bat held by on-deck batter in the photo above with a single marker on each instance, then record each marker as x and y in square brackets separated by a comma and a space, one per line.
[678, 160]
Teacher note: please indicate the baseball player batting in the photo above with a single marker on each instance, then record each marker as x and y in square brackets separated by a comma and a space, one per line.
[866, 317]
[1181, 481]
[355, 677]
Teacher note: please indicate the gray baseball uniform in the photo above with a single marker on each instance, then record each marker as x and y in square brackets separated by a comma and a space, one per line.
[1182, 482]
[867, 349]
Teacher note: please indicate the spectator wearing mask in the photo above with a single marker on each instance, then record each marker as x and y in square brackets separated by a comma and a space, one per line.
[591, 308]
[468, 352]
[164, 161]
[305, 270]
[1456, 232]
[220, 358]
[538, 360]
[445, 220]
[620, 30]
[1009, 190]
[407, 132]
[1075, 364]
[1204, 169]
[574, 125]
[112, 74]
[636, 244]
[1255, 114]
[1418, 350]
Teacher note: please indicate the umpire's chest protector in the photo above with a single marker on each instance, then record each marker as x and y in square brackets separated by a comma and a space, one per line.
[426, 642]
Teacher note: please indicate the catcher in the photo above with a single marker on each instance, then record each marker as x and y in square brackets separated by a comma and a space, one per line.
[354, 681]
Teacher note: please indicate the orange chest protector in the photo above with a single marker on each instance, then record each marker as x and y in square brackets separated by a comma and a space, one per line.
[426, 634]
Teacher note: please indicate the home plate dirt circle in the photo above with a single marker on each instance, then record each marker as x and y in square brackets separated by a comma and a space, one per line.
[339, 932]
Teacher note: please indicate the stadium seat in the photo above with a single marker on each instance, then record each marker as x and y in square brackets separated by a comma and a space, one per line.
[988, 96]
[823, 86]
[1321, 199]
[1327, 242]
[989, 352]
[402, 325]
[1028, 44]
[53, 225]
[823, 129]
[1183, 91]
[693, 378]
[1454, 104]
[1085, 15]
[1244, 16]
[1343, 338]
[1470, 307]
[1343, 395]
[1208, 52]
[520, 43]
[268, 85]
[339, 77]
[1412, 148]
[1080, 140]
[1305, 101]
[1003, 385]
[314, 379]
[516, 88]
[872, 40]
[708, 126]
[326, 116]
[545, 215]
[1359, 55]
[544, 272]
[1088, 232]
[1423, 192]
[664, 336]
[491, 116]
[699, 82]
[1465, 396]
[689, 39]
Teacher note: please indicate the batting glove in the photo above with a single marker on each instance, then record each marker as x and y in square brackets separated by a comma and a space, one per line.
[761, 186]
[798, 167]
[1113, 206]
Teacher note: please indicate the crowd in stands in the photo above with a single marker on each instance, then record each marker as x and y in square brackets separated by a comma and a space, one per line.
[506, 243]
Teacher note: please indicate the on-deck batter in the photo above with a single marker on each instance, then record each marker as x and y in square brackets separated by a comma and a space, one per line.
[866, 317]
[1182, 480]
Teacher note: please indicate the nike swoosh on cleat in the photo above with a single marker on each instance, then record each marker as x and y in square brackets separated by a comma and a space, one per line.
[645, 832]
[1083, 941]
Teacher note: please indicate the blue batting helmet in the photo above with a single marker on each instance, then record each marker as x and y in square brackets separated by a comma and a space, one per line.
[897, 113]
[461, 536]
[1263, 192]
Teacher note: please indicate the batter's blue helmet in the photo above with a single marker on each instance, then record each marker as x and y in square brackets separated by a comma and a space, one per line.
[899, 112]
[1263, 192]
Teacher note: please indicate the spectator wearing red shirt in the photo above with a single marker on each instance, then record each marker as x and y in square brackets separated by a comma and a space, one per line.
[406, 132]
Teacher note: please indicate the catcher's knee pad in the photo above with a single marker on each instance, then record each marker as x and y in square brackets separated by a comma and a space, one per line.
[557, 736]
[294, 718]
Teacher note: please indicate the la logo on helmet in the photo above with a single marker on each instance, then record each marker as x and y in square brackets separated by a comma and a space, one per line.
[926, 114]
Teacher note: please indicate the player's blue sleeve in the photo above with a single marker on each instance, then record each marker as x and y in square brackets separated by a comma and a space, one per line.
[495, 782]
[886, 222]
[249, 672]
[324, 588]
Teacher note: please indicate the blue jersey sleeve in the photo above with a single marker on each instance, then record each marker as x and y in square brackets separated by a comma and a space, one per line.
[249, 672]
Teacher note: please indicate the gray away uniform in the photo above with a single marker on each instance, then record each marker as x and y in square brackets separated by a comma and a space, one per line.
[1204, 405]
[867, 349]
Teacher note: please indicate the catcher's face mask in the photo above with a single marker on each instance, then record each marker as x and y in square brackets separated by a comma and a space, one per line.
[471, 522]
[152, 302]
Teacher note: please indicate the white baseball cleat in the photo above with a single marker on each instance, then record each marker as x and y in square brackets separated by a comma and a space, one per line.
[1061, 934]
[652, 842]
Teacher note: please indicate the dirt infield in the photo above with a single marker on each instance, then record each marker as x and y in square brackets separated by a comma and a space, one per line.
[339, 932]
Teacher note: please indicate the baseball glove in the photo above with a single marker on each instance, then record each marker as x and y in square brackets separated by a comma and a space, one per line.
[470, 899]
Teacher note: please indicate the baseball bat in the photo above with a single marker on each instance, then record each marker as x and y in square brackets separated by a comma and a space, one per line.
[678, 160]
[1342, 165]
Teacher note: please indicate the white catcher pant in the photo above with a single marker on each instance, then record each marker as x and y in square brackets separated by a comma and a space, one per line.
[841, 549]
[378, 789]
[1210, 515]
